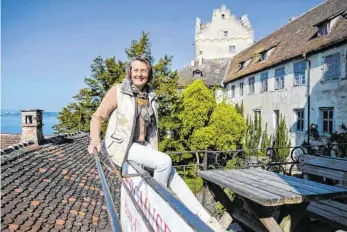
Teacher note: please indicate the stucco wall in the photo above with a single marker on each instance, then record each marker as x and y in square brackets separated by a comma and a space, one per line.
[323, 94]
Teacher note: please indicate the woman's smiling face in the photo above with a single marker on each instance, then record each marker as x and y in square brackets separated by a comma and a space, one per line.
[139, 74]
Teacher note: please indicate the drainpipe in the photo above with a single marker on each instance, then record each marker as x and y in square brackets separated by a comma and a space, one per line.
[308, 97]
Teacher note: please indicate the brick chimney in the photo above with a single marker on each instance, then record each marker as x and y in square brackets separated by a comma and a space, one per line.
[32, 126]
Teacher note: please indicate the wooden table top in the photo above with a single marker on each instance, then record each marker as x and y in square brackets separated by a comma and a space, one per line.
[271, 189]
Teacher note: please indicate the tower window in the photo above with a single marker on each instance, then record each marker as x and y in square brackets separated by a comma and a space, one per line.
[223, 16]
[225, 33]
[232, 49]
[28, 119]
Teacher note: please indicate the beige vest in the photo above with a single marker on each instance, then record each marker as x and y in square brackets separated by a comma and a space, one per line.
[121, 126]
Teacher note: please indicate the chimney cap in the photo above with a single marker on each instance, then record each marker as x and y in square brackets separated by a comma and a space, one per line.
[31, 110]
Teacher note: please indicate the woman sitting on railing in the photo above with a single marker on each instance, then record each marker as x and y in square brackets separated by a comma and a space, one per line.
[132, 132]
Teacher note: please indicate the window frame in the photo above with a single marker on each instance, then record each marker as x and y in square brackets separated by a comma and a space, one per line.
[264, 84]
[233, 91]
[251, 85]
[330, 118]
[279, 80]
[232, 49]
[29, 119]
[299, 121]
[263, 56]
[331, 76]
[301, 80]
[323, 29]
[241, 85]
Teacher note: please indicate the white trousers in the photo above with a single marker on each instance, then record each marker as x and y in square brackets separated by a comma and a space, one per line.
[145, 154]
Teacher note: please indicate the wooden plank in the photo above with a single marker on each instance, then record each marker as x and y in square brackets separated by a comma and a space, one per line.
[289, 197]
[326, 162]
[293, 181]
[326, 172]
[331, 206]
[342, 186]
[328, 215]
[271, 224]
[296, 185]
[281, 185]
[257, 195]
[313, 186]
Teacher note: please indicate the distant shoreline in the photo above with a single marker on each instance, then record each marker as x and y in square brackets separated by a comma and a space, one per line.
[11, 122]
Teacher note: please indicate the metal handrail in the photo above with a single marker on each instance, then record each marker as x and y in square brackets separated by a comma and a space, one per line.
[109, 202]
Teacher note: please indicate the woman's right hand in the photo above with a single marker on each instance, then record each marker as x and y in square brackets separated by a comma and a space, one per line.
[94, 147]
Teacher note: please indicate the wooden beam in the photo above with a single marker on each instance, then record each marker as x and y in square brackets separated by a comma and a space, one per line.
[236, 213]
[325, 162]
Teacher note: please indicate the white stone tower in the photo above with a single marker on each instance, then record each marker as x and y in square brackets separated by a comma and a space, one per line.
[223, 37]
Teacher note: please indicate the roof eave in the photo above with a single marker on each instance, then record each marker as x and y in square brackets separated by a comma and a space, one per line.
[311, 52]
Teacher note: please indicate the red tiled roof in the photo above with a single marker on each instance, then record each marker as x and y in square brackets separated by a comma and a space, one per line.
[9, 139]
[294, 39]
[54, 187]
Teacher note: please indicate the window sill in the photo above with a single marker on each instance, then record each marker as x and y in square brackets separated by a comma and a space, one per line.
[299, 85]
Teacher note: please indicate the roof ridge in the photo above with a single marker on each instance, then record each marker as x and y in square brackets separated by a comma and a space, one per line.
[293, 20]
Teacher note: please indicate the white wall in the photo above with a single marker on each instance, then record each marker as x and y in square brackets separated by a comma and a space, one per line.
[210, 39]
[329, 94]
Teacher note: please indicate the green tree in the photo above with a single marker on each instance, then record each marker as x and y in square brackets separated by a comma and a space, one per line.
[282, 141]
[265, 141]
[240, 109]
[253, 134]
[76, 115]
[107, 72]
[225, 130]
[197, 106]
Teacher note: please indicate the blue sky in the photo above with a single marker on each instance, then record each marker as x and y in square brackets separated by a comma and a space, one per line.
[48, 45]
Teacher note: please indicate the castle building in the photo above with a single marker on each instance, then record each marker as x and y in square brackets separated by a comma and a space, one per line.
[216, 42]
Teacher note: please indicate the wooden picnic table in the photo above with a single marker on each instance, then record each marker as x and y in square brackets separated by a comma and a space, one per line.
[261, 191]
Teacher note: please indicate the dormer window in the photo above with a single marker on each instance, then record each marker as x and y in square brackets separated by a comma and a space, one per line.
[323, 29]
[197, 73]
[263, 56]
[242, 65]
[223, 16]
[225, 33]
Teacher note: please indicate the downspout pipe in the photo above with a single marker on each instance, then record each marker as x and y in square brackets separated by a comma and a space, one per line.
[308, 96]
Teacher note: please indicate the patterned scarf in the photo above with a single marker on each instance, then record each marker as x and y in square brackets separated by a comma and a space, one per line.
[145, 109]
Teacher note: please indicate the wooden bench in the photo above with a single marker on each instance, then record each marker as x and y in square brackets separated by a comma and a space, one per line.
[326, 169]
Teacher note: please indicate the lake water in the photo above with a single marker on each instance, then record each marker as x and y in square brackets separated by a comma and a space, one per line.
[12, 123]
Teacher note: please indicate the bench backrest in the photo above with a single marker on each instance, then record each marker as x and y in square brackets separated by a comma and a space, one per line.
[332, 168]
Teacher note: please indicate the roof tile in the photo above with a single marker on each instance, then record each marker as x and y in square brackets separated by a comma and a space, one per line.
[42, 201]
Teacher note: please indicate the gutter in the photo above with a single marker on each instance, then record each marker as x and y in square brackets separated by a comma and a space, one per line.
[304, 55]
